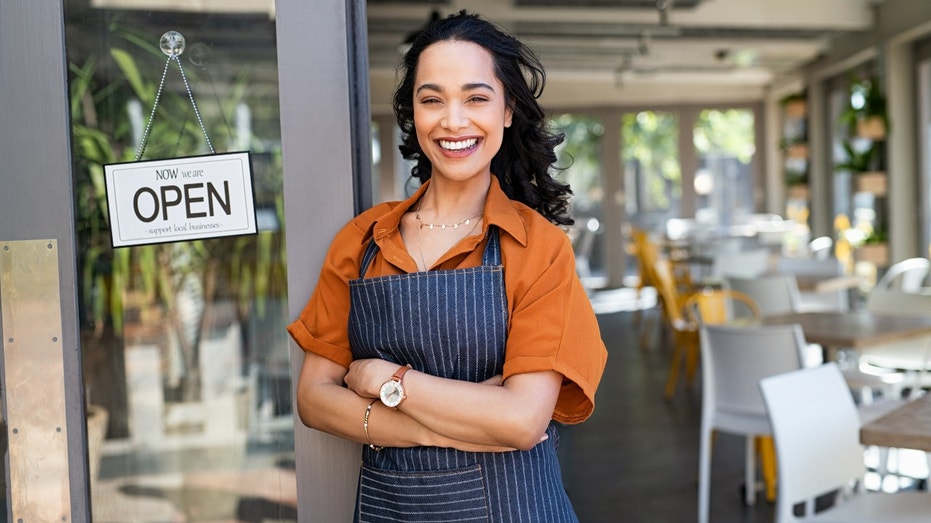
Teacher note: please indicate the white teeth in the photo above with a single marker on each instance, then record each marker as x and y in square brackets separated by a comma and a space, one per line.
[458, 146]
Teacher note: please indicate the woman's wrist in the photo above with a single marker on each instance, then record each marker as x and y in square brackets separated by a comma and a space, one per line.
[366, 419]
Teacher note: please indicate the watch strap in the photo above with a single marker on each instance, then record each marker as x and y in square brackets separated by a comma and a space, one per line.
[399, 374]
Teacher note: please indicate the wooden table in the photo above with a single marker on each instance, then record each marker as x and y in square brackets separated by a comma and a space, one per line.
[813, 283]
[907, 427]
[836, 330]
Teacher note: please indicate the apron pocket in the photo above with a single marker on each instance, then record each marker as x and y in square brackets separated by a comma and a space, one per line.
[419, 497]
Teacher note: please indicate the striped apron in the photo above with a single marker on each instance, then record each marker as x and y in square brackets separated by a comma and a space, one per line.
[451, 324]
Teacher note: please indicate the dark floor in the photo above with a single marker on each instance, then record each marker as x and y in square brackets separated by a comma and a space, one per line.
[636, 458]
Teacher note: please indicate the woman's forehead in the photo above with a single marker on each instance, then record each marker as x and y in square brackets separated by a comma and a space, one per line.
[456, 64]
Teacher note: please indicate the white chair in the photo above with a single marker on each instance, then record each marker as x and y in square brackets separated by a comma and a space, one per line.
[778, 294]
[774, 293]
[912, 356]
[907, 275]
[745, 263]
[734, 359]
[816, 429]
[824, 271]
[821, 247]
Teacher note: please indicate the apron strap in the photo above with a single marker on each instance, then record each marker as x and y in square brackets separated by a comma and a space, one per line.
[490, 258]
[492, 255]
[370, 251]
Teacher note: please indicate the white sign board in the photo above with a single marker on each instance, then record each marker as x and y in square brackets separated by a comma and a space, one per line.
[180, 199]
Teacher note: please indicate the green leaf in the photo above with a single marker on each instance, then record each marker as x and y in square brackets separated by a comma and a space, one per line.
[131, 72]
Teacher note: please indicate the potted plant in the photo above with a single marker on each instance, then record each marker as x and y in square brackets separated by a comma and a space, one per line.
[866, 114]
[874, 249]
[862, 162]
[794, 147]
[795, 105]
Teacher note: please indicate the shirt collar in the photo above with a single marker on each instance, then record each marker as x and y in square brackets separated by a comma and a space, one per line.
[499, 210]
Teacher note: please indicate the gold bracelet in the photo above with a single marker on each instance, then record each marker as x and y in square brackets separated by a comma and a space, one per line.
[365, 427]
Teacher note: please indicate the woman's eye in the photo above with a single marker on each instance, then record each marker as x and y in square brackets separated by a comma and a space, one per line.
[430, 101]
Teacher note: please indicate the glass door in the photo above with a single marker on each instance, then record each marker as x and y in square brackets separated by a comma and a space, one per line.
[724, 182]
[186, 358]
[652, 172]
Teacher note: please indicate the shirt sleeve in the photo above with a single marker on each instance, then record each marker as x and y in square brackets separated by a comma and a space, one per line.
[323, 326]
[553, 326]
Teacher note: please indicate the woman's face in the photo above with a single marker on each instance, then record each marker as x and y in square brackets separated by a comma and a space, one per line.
[459, 109]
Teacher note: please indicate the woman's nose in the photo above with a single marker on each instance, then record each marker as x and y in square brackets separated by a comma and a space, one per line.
[456, 117]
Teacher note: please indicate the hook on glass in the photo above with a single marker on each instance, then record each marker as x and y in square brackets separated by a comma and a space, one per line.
[172, 43]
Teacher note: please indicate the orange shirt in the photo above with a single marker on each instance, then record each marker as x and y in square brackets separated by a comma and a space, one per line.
[551, 325]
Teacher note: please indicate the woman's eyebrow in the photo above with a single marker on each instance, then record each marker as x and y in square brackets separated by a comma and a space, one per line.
[467, 87]
[429, 87]
[477, 85]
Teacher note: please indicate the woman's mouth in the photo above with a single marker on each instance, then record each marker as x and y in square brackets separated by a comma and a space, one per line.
[458, 145]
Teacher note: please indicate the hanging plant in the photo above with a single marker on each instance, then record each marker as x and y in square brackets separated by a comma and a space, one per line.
[859, 159]
[866, 115]
[795, 105]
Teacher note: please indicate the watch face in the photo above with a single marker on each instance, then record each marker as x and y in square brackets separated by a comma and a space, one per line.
[391, 393]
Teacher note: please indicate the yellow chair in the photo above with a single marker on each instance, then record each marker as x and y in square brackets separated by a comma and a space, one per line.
[685, 333]
[717, 306]
[646, 252]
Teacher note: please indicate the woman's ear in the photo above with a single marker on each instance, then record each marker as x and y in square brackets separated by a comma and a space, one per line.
[508, 117]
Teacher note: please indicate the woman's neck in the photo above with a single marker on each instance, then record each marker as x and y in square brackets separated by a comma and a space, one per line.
[446, 201]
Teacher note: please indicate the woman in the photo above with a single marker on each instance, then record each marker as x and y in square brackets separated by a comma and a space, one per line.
[448, 331]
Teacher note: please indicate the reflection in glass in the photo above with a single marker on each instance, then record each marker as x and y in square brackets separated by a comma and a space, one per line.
[580, 156]
[184, 344]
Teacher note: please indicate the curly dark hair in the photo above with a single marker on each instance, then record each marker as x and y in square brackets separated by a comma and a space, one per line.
[527, 154]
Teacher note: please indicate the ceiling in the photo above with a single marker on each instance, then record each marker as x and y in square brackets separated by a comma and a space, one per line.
[640, 51]
[610, 52]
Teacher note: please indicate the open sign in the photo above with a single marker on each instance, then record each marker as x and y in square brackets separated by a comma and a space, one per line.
[180, 199]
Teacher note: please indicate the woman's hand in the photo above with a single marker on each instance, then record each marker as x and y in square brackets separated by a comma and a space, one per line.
[365, 377]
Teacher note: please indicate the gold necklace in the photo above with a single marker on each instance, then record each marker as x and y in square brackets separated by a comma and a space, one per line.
[443, 226]
[423, 262]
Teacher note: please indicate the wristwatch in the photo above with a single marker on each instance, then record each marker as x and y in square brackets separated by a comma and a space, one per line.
[392, 393]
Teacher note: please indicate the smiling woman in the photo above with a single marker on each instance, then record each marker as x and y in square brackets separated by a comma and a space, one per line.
[459, 308]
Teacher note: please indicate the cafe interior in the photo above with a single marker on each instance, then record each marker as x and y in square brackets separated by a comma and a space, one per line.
[751, 199]
[752, 202]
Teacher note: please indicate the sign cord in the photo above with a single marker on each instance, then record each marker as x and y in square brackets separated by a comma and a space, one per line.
[140, 150]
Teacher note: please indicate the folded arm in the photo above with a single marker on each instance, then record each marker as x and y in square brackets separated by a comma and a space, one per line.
[325, 403]
[513, 414]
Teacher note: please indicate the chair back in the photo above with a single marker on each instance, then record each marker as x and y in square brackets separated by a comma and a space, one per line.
[665, 282]
[907, 275]
[647, 253]
[822, 269]
[774, 293]
[821, 247]
[810, 266]
[735, 359]
[892, 301]
[745, 264]
[719, 306]
[816, 429]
